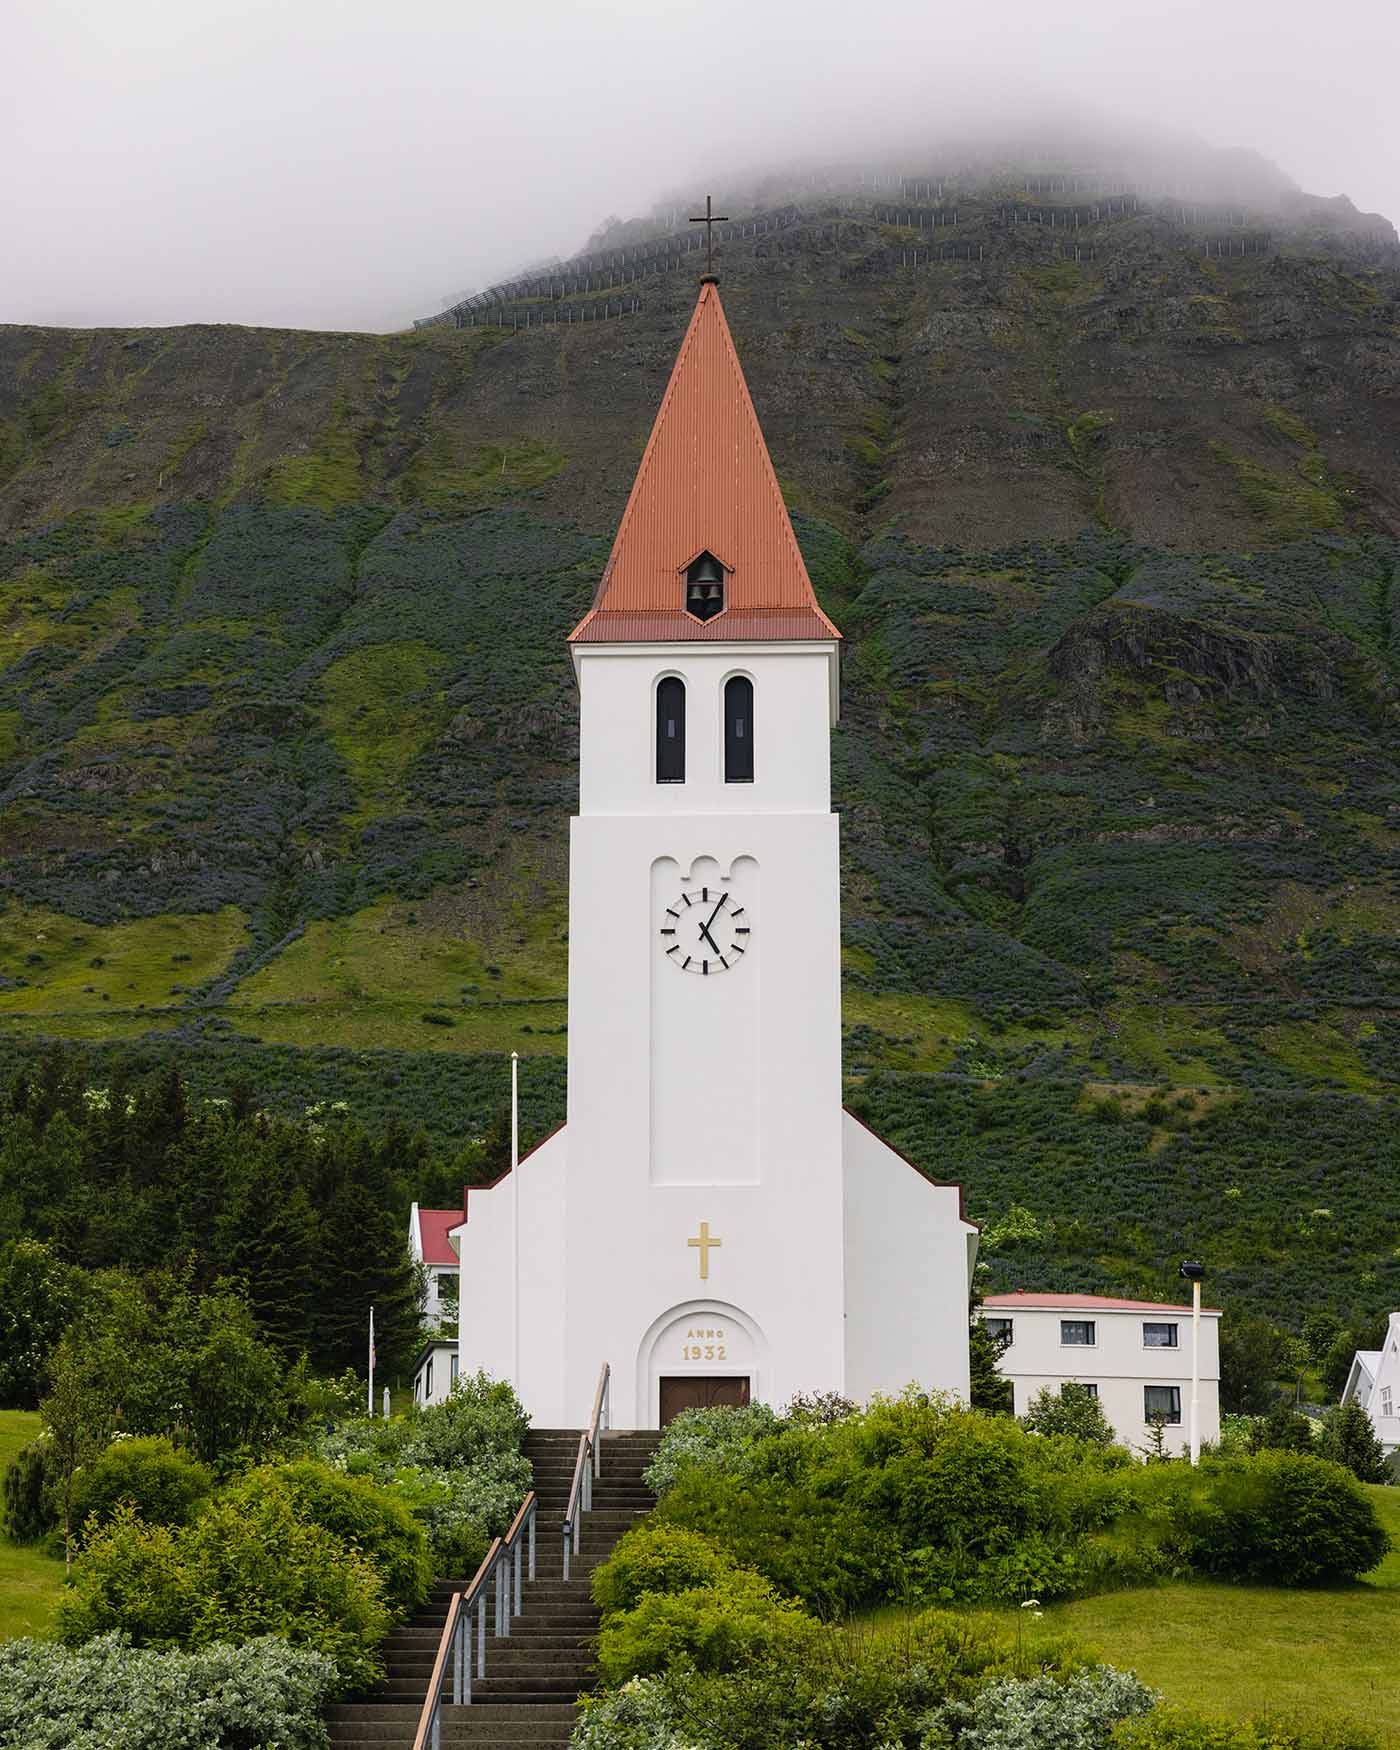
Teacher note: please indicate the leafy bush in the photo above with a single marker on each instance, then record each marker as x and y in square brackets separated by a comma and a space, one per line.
[249, 1566]
[457, 1465]
[654, 1557]
[362, 1515]
[720, 1439]
[714, 1628]
[1175, 1729]
[166, 1487]
[834, 1688]
[1283, 1517]
[1017, 1713]
[30, 1512]
[1072, 1410]
[1350, 1441]
[108, 1695]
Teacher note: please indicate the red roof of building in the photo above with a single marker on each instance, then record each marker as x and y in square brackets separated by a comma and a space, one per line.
[434, 1226]
[1029, 1299]
[706, 484]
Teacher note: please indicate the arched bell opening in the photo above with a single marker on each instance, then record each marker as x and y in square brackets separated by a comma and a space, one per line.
[704, 587]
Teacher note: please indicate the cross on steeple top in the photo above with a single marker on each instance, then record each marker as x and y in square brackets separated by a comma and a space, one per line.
[709, 219]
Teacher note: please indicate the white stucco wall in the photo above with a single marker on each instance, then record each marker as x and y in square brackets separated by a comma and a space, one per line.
[1119, 1364]
[909, 1255]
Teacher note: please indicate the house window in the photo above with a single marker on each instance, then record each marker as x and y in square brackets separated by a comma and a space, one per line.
[456, 1367]
[1000, 1330]
[738, 730]
[1385, 1401]
[670, 731]
[428, 1380]
[1078, 1331]
[1158, 1336]
[447, 1286]
[1084, 1385]
[1163, 1401]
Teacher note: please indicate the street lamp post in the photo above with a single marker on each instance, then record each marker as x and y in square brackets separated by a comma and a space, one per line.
[1193, 1274]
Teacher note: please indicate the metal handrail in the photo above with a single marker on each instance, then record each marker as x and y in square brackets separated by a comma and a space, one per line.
[587, 1466]
[503, 1559]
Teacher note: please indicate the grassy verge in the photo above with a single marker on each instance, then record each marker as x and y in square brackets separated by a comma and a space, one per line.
[1241, 1650]
[29, 1581]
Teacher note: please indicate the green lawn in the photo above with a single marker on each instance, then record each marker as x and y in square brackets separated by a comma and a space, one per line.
[29, 1582]
[1241, 1650]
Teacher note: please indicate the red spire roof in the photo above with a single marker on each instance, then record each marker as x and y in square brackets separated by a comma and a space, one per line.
[706, 484]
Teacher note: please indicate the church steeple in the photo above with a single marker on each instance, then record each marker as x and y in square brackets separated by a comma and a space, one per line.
[705, 493]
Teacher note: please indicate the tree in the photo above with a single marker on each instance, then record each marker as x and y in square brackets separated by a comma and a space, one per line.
[1251, 1360]
[1320, 1330]
[1350, 1440]
[39, 1294]
[990, 1391]
[1073, 1410]
[1283, 1430]
[1336, 1365]
[80, 1416]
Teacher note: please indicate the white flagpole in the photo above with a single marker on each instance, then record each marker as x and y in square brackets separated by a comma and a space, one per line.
[370, 1394]
[515, 1214]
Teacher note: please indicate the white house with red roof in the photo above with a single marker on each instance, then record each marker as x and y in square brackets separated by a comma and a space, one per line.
[431, 1248]
[709, 1221]
[1374, 1383]
[1134, 1355]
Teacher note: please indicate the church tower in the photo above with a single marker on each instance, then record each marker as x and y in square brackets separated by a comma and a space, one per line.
[709, 1221]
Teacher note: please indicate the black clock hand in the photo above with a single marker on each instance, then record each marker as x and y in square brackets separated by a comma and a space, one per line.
[705, 928]
[705, 932]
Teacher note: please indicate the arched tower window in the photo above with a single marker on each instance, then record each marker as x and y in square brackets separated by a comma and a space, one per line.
[738, 730]
[704, 587]
[670, 731]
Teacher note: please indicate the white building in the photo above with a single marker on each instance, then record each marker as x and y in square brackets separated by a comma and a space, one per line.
[1374, 1383]
[709, 1221]
[1134, 1355]
[431, 1248]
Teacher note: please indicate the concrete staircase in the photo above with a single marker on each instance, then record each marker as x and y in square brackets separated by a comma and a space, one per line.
[534, 1677]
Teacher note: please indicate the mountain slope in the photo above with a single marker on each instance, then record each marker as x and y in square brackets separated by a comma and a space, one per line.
[288, 733]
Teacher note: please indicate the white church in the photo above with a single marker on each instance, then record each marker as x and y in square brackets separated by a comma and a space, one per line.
[709, 1221]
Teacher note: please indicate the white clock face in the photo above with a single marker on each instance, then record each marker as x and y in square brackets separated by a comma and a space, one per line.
[705, 931]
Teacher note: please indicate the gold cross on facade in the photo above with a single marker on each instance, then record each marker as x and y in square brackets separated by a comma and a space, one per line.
[709, 219]
[704, 1242]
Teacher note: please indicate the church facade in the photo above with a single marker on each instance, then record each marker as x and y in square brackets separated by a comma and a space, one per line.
[709, 1220]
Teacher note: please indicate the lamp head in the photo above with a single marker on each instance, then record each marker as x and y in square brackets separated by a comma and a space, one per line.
[1192, 1272]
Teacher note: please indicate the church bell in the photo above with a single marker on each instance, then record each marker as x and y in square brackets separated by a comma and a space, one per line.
[704, 594]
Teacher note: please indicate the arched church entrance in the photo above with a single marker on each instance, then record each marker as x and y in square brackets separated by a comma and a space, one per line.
[702, 1353]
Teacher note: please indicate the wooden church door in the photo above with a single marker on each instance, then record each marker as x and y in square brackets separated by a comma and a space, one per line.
[694, 1392]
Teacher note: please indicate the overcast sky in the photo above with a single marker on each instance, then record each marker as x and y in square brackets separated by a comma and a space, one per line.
[338, 164]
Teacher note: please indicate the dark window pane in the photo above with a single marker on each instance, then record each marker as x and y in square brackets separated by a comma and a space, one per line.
[1163, 1401]
[738, 730]
[1000, 1329]
[1077, 1331]
[670, 731]
[1158, 1336]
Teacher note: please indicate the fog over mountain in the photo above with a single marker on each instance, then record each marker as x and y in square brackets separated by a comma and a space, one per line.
[341, 165]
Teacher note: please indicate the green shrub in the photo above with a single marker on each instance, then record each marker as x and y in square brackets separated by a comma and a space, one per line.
[360, 1513]
[1282, 1430]
[1018, 1711]
[654, 1557]
[720, 1439]
[249, 1566]
[108, 1695]
[30, 1510]
[457, 1466]
[1284, 1518]
[166, 1487]
[713, 1628]
[1175, 1729]
[1350, 1441]
[1073, 1410]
